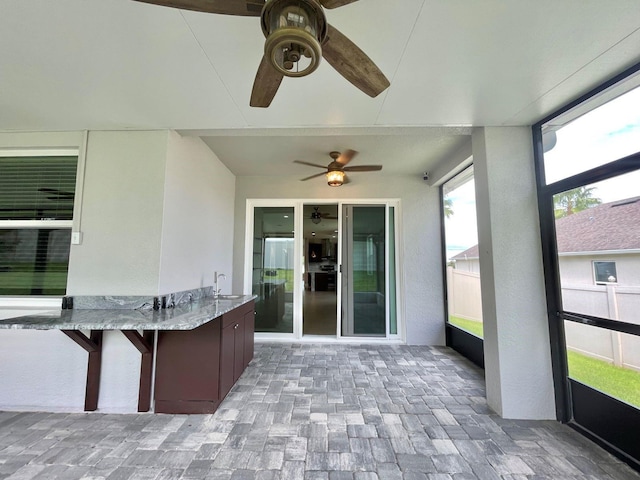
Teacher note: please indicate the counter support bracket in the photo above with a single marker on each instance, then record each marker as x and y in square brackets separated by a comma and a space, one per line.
[144, 344]
[93, 345]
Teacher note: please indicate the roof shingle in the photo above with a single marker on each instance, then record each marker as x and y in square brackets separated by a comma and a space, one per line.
[606, 227]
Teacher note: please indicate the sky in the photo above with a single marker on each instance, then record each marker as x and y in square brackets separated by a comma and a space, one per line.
[607, 133]
[461, 228]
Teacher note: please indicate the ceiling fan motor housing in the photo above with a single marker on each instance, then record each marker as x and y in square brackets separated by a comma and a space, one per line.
[295, 31]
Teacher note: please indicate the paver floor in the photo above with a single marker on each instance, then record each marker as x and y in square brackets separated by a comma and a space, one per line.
[314, 412]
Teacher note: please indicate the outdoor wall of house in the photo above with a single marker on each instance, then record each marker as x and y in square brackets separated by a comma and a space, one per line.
[40, 369]
[157, 216]
[121, 222]
[420, 262]
[470, 265]
[198, 216]
[578, 269]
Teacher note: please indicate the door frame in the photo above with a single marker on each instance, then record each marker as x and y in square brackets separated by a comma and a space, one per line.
[298, 287]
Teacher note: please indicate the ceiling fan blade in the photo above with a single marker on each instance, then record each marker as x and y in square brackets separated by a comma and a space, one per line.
[335, 3]
[363, 168]
[265, 85]
[353, 64]
[57, 193]
[246, 8]
[310, 164]
[313, 176]
[346, 156]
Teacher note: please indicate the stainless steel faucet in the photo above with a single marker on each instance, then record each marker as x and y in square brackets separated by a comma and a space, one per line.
[216, 277]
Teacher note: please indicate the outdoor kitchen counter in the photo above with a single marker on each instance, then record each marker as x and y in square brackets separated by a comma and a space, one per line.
[202, 347]
[185, 316]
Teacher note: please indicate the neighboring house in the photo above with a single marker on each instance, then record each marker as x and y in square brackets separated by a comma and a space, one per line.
[599, 261]
[467, 261]
[601, 245]
[597, 246]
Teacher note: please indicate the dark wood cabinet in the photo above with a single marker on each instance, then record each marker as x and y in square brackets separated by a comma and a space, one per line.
[227, 353]
[195, 369]
[249, 332]
[237, 345]
[188, 370]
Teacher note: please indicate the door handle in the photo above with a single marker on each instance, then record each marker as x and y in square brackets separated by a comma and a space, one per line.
[235, 327]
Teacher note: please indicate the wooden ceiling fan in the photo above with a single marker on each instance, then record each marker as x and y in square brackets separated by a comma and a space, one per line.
[297, 37]
[335, 171]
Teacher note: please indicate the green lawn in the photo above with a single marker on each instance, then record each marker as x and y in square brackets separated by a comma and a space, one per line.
[19, 279]
[362, 281]
[621, 383]
[286, 275]
[471, 326]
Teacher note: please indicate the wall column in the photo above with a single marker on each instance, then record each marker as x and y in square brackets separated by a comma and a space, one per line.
[516, 335]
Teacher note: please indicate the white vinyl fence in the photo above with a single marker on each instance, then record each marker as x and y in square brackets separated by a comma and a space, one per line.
[463, 289]
[608, 301]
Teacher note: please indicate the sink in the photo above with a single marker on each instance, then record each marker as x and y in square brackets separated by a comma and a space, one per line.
[229, 297]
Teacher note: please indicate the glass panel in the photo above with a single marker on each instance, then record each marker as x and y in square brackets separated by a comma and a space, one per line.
[598, 239]
[273, 263]
[393, 314]
[463, 261]
[605, 272]
[364, 279]
[607, 133]
[37, 188]
[34, 261]
[605, 360]
[320, 299]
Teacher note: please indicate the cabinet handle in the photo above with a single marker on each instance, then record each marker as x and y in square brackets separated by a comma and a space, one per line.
[236, 326]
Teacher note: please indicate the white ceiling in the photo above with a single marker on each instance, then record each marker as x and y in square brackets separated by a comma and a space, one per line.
[119, 64]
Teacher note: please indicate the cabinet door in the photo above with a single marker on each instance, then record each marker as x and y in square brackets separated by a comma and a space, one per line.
[187, 370]
[227, 360]
[238, 357]
[249, 329]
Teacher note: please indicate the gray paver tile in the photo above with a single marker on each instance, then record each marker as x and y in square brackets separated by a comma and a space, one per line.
[314, 412]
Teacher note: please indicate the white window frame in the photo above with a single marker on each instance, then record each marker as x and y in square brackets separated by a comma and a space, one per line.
[595, 272]
[298, 204]
[45, 301]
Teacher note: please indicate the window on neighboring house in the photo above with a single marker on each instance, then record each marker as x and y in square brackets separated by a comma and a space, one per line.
[36, 212]
[605, 272]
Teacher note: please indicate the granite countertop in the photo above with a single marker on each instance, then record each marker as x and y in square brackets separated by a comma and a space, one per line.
[186, 316]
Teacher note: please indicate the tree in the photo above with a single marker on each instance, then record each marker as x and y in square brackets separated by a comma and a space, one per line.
[448, 207]
[573, 201]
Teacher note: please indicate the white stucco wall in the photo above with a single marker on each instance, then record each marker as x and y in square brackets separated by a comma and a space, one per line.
[121, 215]
[421, 265]
[516, 335]
[198, 216]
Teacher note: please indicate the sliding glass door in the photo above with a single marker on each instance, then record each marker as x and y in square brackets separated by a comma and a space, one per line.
[273, 263]
[364, 272]
[361, 259]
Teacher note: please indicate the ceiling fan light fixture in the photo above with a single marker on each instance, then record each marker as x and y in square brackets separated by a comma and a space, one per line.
[335, 178]
[295, 30]
[316, 216]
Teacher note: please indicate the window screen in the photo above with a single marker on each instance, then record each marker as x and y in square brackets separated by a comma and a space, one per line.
[37, 188]
[34, 259]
